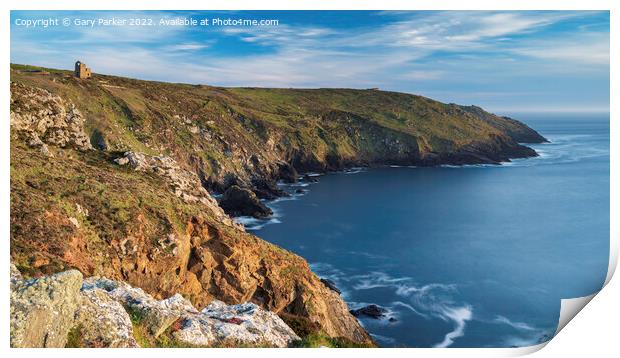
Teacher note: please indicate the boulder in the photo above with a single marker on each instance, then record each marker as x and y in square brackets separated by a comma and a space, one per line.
[156, 315]
[372, 311]
[245, 323]
[238, 201]
[331, 285]
[44, 118]
[216, 325]
[42, 310]
[102, 321]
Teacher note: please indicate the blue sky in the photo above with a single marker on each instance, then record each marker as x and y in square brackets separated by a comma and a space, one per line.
[507, 62]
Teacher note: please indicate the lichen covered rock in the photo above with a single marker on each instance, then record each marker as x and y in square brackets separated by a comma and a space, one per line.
[102, 321]
[183, 183]
[98, 312]
[42, 310]
[243, 323]
[216, 325]
[44, 118]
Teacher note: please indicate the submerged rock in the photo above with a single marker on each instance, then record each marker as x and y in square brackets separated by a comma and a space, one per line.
[238, 201]
[372, 311]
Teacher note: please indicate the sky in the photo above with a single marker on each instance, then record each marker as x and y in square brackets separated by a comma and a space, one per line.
[506, 62]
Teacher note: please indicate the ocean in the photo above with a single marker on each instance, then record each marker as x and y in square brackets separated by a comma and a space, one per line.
[474, 256]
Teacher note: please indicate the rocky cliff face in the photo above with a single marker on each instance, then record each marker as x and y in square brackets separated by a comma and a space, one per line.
[111, 176]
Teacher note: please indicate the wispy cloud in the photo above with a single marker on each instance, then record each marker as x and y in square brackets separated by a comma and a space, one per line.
[588, 49]
[188, 46]
[425, 52]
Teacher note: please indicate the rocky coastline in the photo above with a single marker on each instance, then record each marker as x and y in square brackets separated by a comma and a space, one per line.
[134, 186]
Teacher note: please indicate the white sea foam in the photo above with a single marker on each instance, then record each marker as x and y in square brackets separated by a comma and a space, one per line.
[280, 199]
[459, 315]
[377, 279]
[253, 224]
[518, 325]
[431, 301]
[246, 220]
[537, 338]
[409, 307]
[562, 149]
[354, 170]
[296, 185]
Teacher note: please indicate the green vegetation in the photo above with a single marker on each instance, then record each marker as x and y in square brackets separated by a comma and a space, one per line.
[46, 192]
[75, 338]
[217, 130]
[316, 340]
[312, 336]
[145, 339]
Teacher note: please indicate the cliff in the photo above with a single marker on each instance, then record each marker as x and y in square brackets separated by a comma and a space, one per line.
[253, 136]
[112, 176]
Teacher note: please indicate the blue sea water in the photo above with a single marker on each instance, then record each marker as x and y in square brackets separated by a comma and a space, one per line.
[475, 256]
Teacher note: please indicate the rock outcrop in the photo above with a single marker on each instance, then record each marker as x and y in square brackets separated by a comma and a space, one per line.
[104, 313]
[216, 325]
[183, 183]
[45, 119]
[102, 321]
[331, 285]
[42, 309]
[238, 201]
[372, 311]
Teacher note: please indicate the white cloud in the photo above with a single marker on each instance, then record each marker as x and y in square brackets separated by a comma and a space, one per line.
[188, 46]
[480, 51]
[589, 49]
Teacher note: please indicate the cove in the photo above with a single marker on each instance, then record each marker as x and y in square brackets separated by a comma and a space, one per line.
[475, 256]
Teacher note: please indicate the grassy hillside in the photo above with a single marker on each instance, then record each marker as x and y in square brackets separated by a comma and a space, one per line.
[250, 135]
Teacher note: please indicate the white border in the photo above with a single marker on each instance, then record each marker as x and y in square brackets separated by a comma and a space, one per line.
[592, 333]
